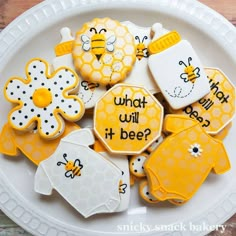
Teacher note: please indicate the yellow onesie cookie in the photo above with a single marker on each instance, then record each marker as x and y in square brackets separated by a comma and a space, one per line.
[34, 147]
[178, 167]
[104, 51]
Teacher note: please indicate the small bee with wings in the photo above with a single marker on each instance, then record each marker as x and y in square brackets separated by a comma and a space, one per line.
[89, 86]
[98, 42]
[72, 168]
[141, 49]
[190, 73]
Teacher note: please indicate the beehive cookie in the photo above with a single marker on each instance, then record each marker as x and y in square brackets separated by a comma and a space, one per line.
[104, 51]
[43, 100]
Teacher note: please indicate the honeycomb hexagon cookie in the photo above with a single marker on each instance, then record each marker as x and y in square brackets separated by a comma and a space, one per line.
[128, 119]
[104, 51]
[217, 109]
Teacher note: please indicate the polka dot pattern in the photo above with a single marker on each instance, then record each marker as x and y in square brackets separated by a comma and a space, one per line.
[145, 193]
[49, 118]
[137, 163]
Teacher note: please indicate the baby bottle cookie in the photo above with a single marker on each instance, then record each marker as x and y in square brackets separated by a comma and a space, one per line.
[217, 109]
[189, 153]
[43, 100]
[86, 180]
[31, 144]
[88, 92]
[140, 74]
[177, 69]
[104, 51]
[128, 119]
[121, 161]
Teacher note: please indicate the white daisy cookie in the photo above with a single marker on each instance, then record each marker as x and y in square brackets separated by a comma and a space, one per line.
[43, 99]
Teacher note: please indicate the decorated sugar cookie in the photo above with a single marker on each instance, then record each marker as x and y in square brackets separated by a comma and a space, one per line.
[86, 180]
[217, 109]
[155, 144]
[136, 165]
[145, 194]
[177, 69]
[88, 92]
[128, 119]
[43, 100]
[104, 51]
[140, 74]
[178, 167]
[121, 161]
[31, 144]
[224, 132]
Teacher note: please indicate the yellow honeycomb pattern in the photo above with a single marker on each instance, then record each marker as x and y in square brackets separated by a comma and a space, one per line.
[145, 116]
[113, 60]
[216, 109]
[189, 154]
[30, 144]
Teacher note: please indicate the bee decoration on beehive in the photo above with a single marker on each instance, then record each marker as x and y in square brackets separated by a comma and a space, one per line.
[141, 49]
[72, 168]
[98, 42]
[191, 73]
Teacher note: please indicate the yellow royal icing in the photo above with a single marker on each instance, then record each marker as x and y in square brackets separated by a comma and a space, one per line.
[145, 194]
[217, 109]
[178, 167]
[104, 51]
[127, 119]
[42, 97]
[43, 100]
[35, 148]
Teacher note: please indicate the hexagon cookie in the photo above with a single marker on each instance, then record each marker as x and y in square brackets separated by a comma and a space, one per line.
[217, 109]
[128, 119]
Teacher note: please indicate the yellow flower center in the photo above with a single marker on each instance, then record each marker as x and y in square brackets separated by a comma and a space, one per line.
[42, 97]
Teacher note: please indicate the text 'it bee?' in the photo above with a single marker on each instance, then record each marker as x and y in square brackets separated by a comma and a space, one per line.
[98, 43]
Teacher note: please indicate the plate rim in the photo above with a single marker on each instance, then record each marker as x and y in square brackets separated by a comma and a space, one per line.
[11, 203]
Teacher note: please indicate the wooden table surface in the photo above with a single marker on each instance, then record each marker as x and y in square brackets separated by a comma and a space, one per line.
[10, 9]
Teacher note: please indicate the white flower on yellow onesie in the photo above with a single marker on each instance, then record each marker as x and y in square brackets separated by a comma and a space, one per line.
[43, 99]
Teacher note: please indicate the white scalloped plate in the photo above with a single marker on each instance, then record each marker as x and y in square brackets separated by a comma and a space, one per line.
[34, 34]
